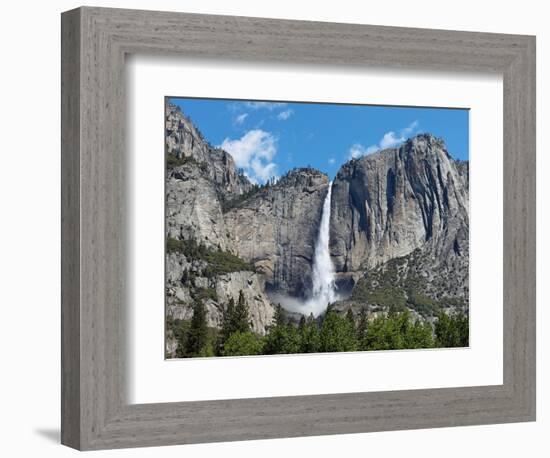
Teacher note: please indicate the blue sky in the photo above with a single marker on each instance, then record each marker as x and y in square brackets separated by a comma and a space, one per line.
[269, 138]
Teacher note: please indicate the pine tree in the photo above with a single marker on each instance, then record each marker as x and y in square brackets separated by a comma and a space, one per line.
[282, 337]
[242, 320]
[420, 335]
[302, 324]
[362, 327]
[243, 344]
[279, 317]
[452, 330]
[351, 319]
[228, 322]
[198, 332]
[309, 335]
[337, 333]
[397, 331]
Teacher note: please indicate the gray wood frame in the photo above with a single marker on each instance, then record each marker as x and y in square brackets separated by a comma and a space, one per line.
[95, 41]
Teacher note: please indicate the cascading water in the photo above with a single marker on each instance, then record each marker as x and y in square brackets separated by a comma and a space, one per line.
[323, 275]
[324, 287]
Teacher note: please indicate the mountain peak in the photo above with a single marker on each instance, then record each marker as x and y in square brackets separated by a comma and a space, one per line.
[400, 198]
[425, 142]
[184, 140]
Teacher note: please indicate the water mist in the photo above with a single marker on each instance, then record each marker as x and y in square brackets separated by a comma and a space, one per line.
[323, 273]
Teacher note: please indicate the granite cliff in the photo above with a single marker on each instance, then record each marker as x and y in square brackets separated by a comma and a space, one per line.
[403, 214]
[276, 229]
[201, 263]
[185, 141]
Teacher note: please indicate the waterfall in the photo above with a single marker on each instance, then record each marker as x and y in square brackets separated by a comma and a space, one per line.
[323, 275]
[324, 288]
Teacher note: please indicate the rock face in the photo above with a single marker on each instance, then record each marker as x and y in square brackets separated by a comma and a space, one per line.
[220, 289]
[387, 204]
[276, 230]
[253, 287]
[199, 179]
[391, 203]
[193, 209]
[184, 140]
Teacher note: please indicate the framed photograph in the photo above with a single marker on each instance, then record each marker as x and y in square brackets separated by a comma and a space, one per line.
[317, 251]
[278, 228]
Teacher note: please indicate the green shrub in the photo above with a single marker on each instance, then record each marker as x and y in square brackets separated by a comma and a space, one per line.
[179, 329]
[204, 294]
[423, 304]
[420, 335]
[282, 339]
[452, 330]
[222, 262]
[452, 302]
[243, 344]
[396, 331]
[173, 161]
[397, 286]
[386, 294]
[310, 340]
[228, 204]
[218, 261]
[207, 350]
[337, 333]
[174, 245]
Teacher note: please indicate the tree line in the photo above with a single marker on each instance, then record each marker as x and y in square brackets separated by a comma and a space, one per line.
[334, 332]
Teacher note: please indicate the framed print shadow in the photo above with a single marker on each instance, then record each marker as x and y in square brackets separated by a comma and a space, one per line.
[294, 229]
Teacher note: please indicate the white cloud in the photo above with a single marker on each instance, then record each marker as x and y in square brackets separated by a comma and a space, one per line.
[284, 115]
[389, 140]
[372, 149]
[356, 150]
[410, 128]
[262, 170]
[240, 118]
[332, 161]
[253, 152]
[265, 105]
